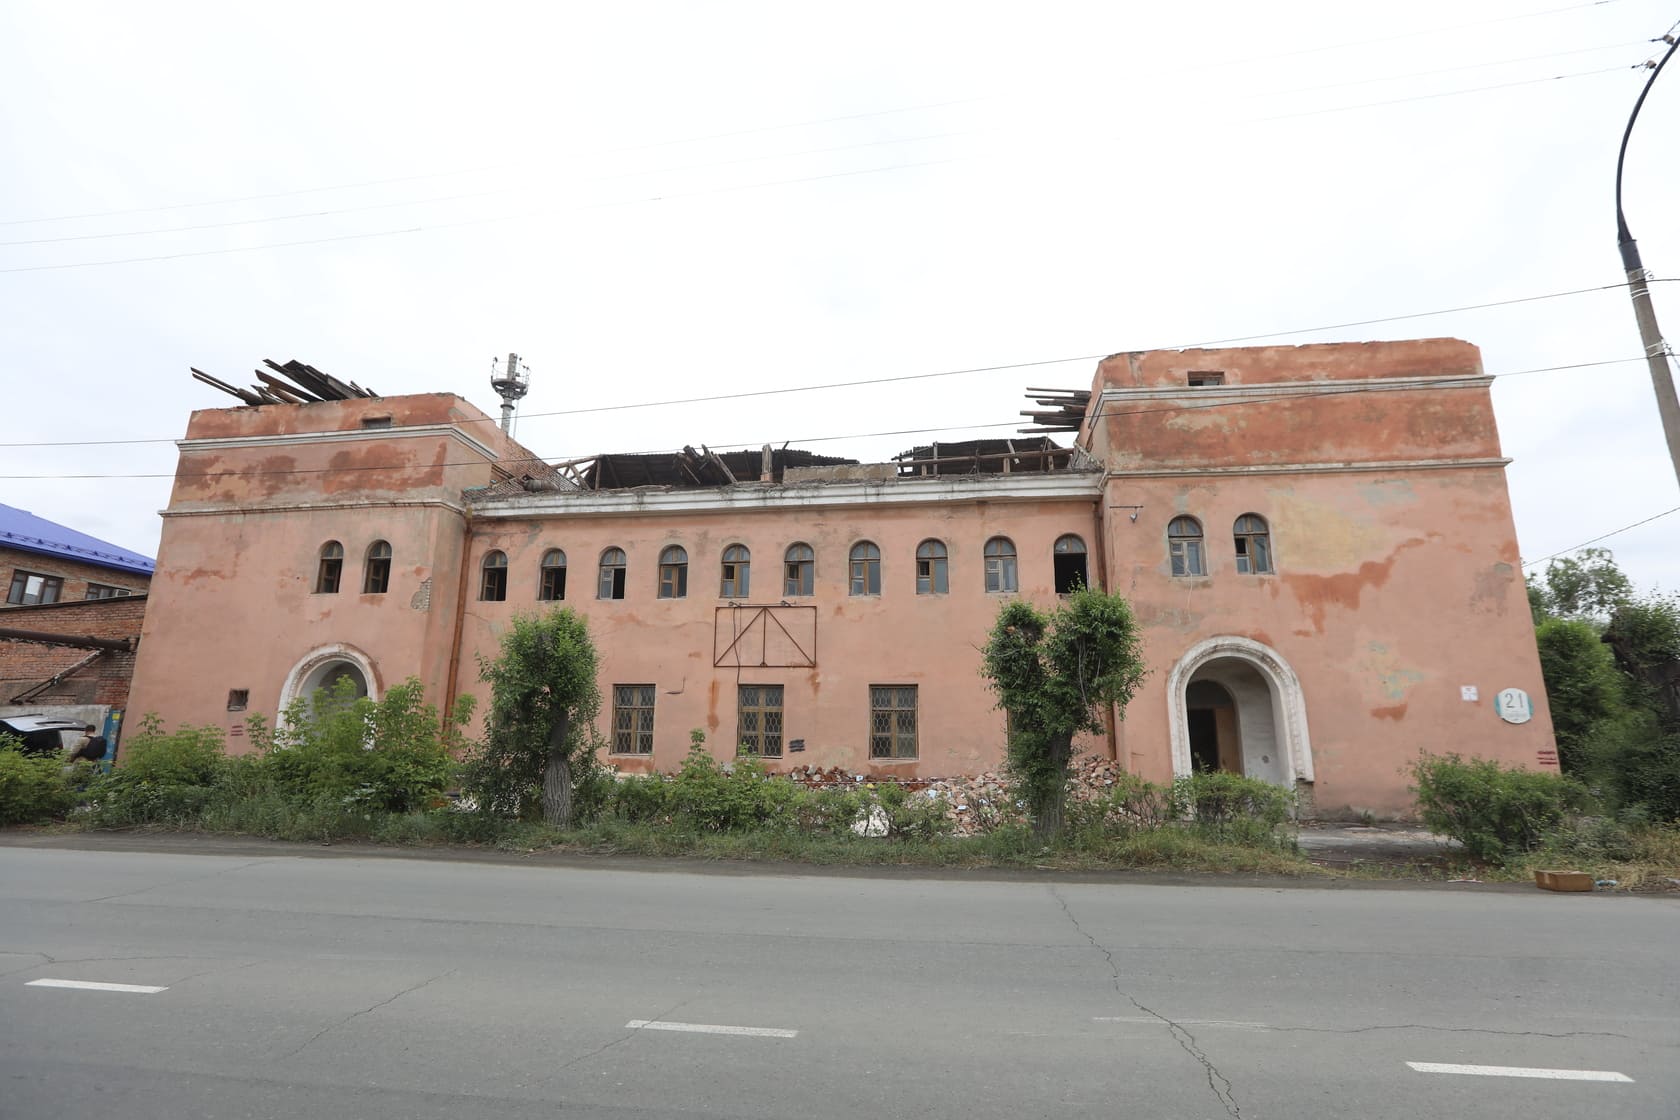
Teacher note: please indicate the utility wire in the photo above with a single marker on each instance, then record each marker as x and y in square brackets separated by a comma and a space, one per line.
[1319, 390]
[731, 188]
[1602, 537]
[751, 393]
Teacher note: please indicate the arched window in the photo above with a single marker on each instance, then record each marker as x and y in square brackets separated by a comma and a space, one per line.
[1254, 544]
[866, 569]
[1069, 559]
[737, 570]
[932, 568]
[552, 587]
[799, 570]
[376, 571]
[332, 567]
[492, 587]
[611, 584]
[1184, 543]
[673, 573]
[1001, 569]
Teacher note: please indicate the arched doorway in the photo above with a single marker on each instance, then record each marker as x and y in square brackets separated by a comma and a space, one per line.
[1236, 705]
[324, 670]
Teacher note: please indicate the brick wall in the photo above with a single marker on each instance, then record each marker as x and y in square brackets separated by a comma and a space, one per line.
[102, 681]
[76, 574]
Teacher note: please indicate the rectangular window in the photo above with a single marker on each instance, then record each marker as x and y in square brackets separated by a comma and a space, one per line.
[553, 587]
[932, 575]
[29, 589]
[1187, 558]
[799, 578]
[632, 719]
[105, 591]
[376, 421]
[759, 718]
[1204, 377]
[735, 580]
[892, 721]
[238, 698]
[1001, 574]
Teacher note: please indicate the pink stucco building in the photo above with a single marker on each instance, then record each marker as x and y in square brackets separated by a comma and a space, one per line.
[1317, 541]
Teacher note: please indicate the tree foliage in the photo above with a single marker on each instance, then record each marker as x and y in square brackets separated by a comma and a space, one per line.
[1582, 684]
[1587, 585]
[1056, 673]
[543, 702]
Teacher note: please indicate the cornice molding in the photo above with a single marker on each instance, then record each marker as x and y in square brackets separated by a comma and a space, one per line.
[1297, 388]
[1313, 468]
[352, 435]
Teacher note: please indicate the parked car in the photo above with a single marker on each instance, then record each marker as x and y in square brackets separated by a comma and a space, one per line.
[40, 734]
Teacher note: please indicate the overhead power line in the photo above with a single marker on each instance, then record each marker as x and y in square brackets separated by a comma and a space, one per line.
[967, 370]
[1601, 537]
[1319, 390]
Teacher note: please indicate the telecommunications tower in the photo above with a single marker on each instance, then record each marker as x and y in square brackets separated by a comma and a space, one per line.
[511, 382]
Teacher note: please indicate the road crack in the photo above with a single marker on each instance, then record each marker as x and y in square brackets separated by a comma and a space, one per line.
[310, 1041]
[1450, 1030]
[172, 882]
[1217, 1082]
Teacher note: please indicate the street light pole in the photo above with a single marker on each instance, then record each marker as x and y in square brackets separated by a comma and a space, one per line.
[1656, 350]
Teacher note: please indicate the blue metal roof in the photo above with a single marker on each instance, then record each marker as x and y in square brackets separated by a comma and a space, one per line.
[21, 529]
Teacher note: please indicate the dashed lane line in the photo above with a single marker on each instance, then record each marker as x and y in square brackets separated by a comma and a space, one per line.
[1522, 1071]
[708, 1028]
[97, 986]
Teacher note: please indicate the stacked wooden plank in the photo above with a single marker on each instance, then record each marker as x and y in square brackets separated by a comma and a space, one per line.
[292, 383]
[1060, 410]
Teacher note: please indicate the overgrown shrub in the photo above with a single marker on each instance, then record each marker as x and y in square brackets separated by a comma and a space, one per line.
[912, 816]
[640, 798]
[165, 777]
[31, 789]
[1231, 806]
[392, 755]
[1130, 804]
[1493, 811]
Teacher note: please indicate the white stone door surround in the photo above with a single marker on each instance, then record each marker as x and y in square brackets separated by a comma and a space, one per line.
[1289, 708]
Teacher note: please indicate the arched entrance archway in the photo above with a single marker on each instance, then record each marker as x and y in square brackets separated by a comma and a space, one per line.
[323, 669]
[1262, 731]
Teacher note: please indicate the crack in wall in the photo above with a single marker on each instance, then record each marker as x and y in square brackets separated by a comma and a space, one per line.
[358, 1014]
[1217, 1082]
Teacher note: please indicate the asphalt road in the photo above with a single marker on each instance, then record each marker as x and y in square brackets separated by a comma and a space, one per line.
[367, 987]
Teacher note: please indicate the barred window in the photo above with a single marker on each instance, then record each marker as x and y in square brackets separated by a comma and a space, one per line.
[376, 571]
[1002, 572]
[866, 569]
[892, 721]
[493, 589]
[552, 587]
[632, 719]
[1184, 543]
[932, 568]
[759, 719]
[1254, 544]
[799, 566]
[332, 567]
[737, 567]
[612, 575]
[673, 573]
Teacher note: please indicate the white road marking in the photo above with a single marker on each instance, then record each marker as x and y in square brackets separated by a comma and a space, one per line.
[95, 986]
[707, 1028]
[1233, 1024]
[1521, 1071]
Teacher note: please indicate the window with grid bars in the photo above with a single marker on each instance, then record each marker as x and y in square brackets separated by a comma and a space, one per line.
[632, 719]
[1184, 544]
[1254, 544]
[737, 570]
[799, 570]
[892, 721]
[759, 719]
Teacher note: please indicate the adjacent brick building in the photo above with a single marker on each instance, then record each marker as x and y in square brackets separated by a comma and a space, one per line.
[1317, 541]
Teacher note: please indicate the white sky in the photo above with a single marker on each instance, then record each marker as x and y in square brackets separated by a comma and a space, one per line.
[655, 201]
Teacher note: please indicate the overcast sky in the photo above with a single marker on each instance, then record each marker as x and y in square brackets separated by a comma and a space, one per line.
[658, 201]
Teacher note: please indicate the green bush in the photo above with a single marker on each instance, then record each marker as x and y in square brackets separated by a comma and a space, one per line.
[1130, 804]
[189, 756]
[912, 816]
[392, 755]
[31, 789]
[1494, 812]
[640, 798]
[1231, 806]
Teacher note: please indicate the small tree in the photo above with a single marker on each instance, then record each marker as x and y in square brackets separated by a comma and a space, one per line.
[1055, 674]
[543, 698]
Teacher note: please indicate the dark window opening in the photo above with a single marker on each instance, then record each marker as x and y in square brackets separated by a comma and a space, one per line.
[376, 421]
[611, 585]
[1202, 377]
[1069, 560]
[332, 568]
[494, 587]
[376, 579]
[238, 698]
[105, 591]
[553, 585]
